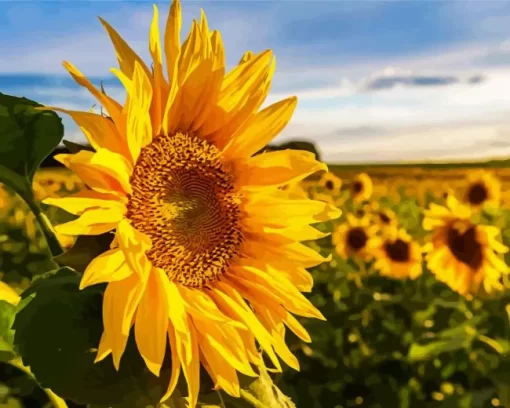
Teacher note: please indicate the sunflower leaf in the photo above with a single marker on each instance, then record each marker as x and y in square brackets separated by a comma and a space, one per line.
[57, 334]
[27, 137]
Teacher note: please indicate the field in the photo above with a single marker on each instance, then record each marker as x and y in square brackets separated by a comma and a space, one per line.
[393, 338]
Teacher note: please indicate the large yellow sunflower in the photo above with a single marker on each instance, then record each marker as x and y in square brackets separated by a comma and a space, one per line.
[207, 253]
[354, 238]
[361, 187]
[462, 254]
[397, 255]
[482, 188]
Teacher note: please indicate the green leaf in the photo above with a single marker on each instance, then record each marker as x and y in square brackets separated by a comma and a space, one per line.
[86, 248]
[57, 334]
[448, 340]
[7, 313]
[27, 137]
[58, 277]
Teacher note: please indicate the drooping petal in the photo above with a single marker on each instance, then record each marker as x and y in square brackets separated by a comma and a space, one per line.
[120, 301]
[176, 364]
[151, 324]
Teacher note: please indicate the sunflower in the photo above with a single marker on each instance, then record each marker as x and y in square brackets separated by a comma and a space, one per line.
[482, 188]
[354, 238]
[463, 254]
[330, 183]
[361, 187]
[385, 217]
[207, 253]
[397, 255]
[295, 190]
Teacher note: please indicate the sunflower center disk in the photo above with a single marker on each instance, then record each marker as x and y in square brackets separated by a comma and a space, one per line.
[184, 200]
[465, 248]
[357, 186]
[357, 238]
[397, 251]
[477, 194]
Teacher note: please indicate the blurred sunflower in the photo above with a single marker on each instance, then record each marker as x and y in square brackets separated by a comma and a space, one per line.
[461, 254]
[330, 183]
[354, 238]
[207, 253]
[361, 187]
[397, 255]
[482, 188]
[385, 217]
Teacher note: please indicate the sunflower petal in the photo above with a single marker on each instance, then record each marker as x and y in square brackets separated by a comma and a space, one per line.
[259, 130]
[120, 301]
[110, 266]
[151, 324]
[85, 200]
[278, 168]
[94, 221]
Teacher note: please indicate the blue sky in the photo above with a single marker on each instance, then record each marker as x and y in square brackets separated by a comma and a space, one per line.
[376, 80]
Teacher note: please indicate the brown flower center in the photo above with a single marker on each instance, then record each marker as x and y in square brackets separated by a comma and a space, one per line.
[329, 185]
[357, 187]
[385, 219]
[184, 200]
[398, 251]
[357, 238]
[477, 194]
[464, 247]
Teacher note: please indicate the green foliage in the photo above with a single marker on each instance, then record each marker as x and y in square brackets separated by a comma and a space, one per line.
[86, 248]
[57, 333]
[27, 137]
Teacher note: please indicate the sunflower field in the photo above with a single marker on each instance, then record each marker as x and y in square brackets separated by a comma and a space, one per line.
[401, 331]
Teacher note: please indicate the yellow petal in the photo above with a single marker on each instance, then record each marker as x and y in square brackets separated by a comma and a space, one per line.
[125, 55]
[218, 52]
[151, 325]
[110, 266]
[278, 212]
[95, 221]
[160, 89]
[120, 301]
[231, 301]
[278, 168]
[104, 349]
[85, 200]
[176, 364]
[239, 96]
[259, 130]
[112, 106]
[134, 244]
[98, 129]
[103, 171]
[224, 375]
[138, 103]
[9, 294]
[188, 356]
[172, 41]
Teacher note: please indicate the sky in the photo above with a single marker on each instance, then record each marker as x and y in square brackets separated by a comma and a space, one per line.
[377, 81]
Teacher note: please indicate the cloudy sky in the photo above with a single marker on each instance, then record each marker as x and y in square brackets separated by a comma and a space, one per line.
[377, 81]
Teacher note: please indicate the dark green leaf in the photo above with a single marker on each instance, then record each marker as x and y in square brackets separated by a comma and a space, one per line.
[86, 248]
[57, 334]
